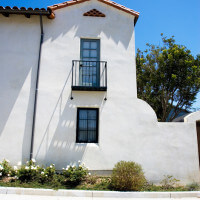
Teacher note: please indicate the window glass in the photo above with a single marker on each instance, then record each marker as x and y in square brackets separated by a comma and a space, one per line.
[86, 53]
[87, 125]
[93, 53]
[93, 45]
[86, 45]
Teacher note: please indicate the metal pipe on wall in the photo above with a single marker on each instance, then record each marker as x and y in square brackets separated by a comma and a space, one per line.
[36, 88]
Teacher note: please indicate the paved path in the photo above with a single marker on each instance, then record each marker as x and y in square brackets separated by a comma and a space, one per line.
[37, 197]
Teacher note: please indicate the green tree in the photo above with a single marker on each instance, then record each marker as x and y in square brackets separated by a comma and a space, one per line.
[168, 77]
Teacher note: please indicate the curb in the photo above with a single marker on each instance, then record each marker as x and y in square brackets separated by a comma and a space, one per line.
[102, 194]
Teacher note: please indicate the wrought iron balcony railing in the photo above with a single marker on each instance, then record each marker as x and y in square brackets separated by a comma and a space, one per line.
[89, 75]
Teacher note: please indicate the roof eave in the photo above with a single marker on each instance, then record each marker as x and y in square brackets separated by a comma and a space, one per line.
[23, 11]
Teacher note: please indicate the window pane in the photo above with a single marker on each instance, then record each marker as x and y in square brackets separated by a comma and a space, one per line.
[82, 136]
[91, 136]
[86, 53]
[83, 125]
[93, 45]
[91, 114]
[82, 114]
[86, 45]
[91, 125]
[93, 53]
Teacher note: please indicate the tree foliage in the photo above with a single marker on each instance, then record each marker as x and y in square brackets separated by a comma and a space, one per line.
[168, 77]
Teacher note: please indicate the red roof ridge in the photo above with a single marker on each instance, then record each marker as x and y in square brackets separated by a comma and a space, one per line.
[108, 2]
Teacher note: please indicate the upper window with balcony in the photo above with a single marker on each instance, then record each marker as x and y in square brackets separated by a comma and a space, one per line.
[89, 73]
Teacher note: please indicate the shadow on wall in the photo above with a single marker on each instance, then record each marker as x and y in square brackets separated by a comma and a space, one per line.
[120, 31]
[10, 89]
[62, 149]
[58, 145]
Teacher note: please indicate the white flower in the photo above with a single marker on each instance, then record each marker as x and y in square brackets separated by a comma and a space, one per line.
[8, 175]
[7, 160]
[34, 168]
[15, 168]
[0, 174]
[89, 174]
[46, 175]
[67, 167]
[27, 162]
[79, 161]
[50, 166]
[1, 168]
[33, 160]
[73, 166]
[19, 163]
[26, 167]
[42, 173]
[16, 177]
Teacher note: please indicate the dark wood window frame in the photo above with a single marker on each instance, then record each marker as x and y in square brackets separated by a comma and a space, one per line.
[97, 125]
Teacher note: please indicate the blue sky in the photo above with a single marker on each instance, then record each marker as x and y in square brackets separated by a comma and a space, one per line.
[180, 18]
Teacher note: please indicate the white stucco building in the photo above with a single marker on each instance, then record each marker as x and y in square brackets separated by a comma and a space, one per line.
[68, 92]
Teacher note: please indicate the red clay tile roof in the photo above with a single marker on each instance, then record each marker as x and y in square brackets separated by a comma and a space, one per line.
[108, 2]
[94, 13]
[23, 11]
[49, 12]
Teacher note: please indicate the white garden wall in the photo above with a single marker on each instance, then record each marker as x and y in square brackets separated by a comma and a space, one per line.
[192, 117]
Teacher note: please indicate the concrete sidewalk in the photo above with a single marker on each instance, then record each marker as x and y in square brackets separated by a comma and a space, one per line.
[28, 193]
[37, 197]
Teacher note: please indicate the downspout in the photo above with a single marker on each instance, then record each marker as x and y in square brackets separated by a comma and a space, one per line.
[36, 88]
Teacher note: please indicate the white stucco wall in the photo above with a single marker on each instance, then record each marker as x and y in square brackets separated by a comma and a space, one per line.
[193, 117]
[19, 39]
[128, 127]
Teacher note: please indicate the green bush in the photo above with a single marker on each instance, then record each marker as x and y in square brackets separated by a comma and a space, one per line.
[193, 187]
[127, 176]
[169, 182]
[74, 174]
[6, 169]
[46, 174]
[28, 172]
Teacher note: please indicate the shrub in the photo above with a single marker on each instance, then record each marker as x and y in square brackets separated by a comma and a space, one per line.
[193, 187]
[127, 176]
[46, 174]
[91, 179]
[28, 172]
[169, 182]
[74, 174]
[6, 169]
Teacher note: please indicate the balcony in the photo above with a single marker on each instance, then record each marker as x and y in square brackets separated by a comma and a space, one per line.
[89, 75]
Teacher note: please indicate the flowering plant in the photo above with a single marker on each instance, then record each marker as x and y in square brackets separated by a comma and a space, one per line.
[5, 169]
[46, 174]
[28, 172]
[74, 174]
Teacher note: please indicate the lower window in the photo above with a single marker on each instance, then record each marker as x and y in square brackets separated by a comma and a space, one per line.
[87, 125]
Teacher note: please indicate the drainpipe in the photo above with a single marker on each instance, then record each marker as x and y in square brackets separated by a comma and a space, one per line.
[36, 88]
